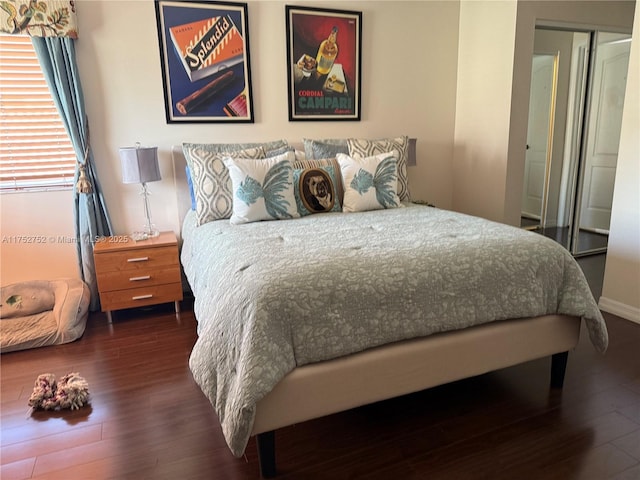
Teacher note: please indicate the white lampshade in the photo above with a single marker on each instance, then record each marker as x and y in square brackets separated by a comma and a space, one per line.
[139, 164]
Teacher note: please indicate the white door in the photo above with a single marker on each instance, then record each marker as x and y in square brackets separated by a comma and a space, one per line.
[610, 78]
[540, 98]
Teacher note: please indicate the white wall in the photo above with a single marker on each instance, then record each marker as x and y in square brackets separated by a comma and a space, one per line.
[37, 236]
[621, 288]
[485, 70]
[409, 62]
[400, 95]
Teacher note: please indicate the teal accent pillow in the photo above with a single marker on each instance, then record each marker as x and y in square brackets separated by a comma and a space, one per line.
[316, 191]
[323, 162]
[262, 189]
[370, 183]
[192, 194]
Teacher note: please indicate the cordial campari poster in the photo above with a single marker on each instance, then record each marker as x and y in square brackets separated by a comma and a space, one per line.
[204, 50]
[324, 63]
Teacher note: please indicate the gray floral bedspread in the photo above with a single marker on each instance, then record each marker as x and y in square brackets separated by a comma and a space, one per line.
[270, 296]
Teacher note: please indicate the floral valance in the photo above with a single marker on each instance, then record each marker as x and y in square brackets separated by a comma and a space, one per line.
[39, 18]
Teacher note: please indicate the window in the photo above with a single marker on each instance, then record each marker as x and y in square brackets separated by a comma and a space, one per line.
[35, 150]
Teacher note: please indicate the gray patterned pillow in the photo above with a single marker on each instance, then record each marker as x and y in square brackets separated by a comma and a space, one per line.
[212, 183]
[326, 148]
[230, 147]
[366, 148]
[278, 151]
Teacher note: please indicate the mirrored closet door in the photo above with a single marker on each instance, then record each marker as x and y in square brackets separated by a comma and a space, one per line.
[575, 113]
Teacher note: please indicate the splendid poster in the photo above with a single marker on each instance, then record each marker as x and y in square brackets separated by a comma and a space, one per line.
[324, 63]
[204, 49]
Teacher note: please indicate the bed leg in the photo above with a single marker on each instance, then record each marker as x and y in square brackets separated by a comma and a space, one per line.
[558, 368]
[267, 453]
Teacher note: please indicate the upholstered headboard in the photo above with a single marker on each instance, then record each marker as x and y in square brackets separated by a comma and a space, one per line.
[180, 177]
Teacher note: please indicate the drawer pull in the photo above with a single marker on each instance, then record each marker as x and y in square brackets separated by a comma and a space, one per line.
[138, 259]
[137, 279]
[142, 297]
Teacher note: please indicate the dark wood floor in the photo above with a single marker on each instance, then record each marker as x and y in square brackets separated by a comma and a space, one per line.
[148, 419]
[587, 240]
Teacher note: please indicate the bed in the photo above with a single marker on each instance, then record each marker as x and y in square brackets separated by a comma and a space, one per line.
[378, 311]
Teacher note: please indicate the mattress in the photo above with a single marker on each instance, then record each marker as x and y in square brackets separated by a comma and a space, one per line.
[273, 296]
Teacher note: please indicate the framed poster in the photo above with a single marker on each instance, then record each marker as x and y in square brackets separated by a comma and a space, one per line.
[324, 63]
[204, 53]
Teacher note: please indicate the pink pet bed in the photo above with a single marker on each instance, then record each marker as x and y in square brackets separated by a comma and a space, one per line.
[38, 313]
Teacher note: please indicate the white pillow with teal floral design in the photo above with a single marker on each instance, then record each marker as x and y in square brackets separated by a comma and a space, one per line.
[360, 147]
[370, 183]
[262, 189]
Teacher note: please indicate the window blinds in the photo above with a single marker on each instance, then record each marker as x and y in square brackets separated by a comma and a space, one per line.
[35, 151]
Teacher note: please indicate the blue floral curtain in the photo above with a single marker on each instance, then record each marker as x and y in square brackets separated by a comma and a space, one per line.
[58, 61]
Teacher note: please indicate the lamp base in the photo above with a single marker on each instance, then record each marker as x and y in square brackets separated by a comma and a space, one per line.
[149, 230]
[144, 235]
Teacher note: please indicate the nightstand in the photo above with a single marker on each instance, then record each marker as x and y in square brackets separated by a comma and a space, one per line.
[137, 273]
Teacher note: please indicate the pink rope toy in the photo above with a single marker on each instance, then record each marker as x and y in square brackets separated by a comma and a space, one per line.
[72, 391]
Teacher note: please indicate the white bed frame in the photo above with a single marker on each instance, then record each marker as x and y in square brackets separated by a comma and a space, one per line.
[400, 368]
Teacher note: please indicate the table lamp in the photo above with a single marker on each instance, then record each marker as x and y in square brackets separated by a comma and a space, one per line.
[140, 165]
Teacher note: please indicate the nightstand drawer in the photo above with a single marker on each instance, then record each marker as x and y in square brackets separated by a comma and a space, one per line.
[120, 280]
[139, 297]
[139, 259]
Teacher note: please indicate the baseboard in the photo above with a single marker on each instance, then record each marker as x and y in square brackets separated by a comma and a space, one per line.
[620, 309]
